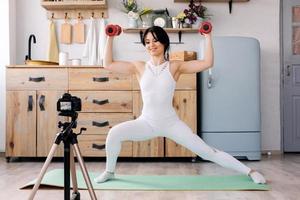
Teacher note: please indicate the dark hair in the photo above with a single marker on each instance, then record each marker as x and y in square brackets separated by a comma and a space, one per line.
[160, 35]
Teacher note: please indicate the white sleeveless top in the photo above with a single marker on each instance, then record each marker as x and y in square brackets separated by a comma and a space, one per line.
[157, 87]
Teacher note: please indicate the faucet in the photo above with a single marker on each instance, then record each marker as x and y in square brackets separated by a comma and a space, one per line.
[28, 56]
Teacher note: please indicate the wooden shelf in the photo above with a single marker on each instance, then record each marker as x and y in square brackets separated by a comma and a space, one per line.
[230, 2]
[74, 9]
[71, 5]
[169, 30]
[213, 1]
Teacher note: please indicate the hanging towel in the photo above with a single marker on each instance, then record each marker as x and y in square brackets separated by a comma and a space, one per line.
[101, 42]
[53, 47]
[90, 49]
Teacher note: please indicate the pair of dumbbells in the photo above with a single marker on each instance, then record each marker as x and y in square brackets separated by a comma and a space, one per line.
[113, 30]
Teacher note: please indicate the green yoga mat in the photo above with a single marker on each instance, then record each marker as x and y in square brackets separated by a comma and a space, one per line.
[55, 178]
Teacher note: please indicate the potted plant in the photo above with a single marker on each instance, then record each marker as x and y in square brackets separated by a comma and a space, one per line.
[181, 18]
[195, 13]
[130, 5]
[131, 8]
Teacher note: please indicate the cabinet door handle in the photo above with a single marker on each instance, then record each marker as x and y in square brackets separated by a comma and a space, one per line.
[100, 124]
[42, 102]
[30, 103]
[98, 146]
[100, 79]
[37, 79]
[100, 102]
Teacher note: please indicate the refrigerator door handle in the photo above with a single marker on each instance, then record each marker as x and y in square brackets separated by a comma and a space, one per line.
[209, 79]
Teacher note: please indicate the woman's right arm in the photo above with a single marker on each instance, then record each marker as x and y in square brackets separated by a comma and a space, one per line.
[117, 66]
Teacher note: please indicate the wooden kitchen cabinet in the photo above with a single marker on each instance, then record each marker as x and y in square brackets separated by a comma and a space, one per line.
[106, 101]
[32, 118]
[108, 98]
[32, 123]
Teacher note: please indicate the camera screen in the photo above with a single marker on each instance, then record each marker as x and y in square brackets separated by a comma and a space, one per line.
[65, 105]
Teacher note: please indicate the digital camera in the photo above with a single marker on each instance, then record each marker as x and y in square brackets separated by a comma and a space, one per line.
[68, 104]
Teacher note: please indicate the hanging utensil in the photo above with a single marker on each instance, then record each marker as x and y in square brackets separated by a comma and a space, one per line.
[79, 31]
[66, 31]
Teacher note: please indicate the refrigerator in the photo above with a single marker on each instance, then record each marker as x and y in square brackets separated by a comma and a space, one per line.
[229, 98]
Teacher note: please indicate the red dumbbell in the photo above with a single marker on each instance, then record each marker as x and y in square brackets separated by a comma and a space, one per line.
[205, 28]
[113, 30]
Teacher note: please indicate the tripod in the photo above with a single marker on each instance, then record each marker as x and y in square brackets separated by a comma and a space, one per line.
[69, 138]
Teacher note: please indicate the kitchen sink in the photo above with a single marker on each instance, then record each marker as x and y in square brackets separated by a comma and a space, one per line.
[39, 62]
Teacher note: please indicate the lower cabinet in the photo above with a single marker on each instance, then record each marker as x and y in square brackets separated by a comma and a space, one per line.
[31, 123]
[108, 98]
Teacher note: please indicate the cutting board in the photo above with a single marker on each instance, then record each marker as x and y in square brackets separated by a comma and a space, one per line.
[79, 32]
[66, 33]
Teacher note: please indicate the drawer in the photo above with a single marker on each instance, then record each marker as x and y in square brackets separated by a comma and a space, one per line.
[185, 82]
[105, 101]
[86, 142]
[36, 79]
[100, 123]
[98, 79]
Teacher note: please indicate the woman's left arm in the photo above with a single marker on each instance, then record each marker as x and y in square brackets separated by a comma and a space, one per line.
[194, 66]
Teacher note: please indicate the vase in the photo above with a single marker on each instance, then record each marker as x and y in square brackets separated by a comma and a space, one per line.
[132, 22]
[197, 23]
[146, 20]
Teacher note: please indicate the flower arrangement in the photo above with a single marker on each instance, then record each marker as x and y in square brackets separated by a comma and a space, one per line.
[132, 9]
[130, 5]
[134, 12]
[196, 9]
[181, 16]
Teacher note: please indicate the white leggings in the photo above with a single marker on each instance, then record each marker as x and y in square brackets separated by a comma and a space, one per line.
[172, 128]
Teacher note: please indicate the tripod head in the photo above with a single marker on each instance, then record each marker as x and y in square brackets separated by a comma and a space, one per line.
[73, 123]
[68, 126]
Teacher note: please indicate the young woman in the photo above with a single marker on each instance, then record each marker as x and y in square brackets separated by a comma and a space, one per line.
[157, 79]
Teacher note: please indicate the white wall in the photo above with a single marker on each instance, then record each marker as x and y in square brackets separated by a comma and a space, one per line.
[4, 59]
[259, 19]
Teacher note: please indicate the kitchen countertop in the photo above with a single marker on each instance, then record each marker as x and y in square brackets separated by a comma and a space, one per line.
[52, 66]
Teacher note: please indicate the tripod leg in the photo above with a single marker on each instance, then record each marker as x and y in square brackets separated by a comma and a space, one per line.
[73, 171]
[85, 173]
[43, 171]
